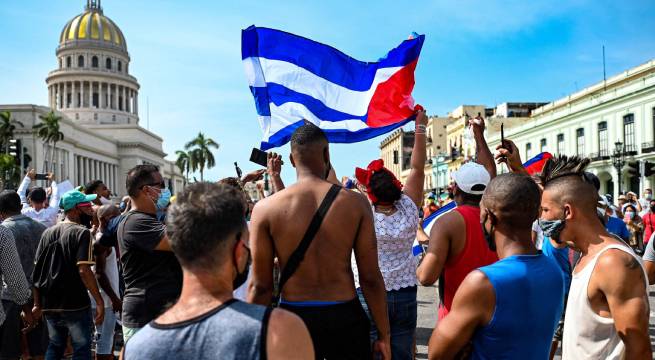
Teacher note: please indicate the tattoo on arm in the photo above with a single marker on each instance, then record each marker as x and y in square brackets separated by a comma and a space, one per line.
[632, 263]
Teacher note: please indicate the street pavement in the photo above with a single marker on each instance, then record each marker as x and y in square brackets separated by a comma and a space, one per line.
[427, 318]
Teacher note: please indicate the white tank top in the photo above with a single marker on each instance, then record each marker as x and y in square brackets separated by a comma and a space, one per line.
[588, 335]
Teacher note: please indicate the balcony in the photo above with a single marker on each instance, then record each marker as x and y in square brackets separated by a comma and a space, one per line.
[648, 147]
[631, 150]
[600, 155]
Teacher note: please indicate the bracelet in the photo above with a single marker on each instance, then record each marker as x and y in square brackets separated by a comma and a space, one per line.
[421, 127]
[417, 132]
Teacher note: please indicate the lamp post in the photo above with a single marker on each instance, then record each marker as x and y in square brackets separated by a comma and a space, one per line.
[618, 160]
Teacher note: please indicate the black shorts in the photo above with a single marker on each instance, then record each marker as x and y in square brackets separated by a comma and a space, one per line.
[338, 331]
[10, 334]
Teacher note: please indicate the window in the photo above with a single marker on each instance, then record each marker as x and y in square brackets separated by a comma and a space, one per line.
[543, 145]
[120, 66]
[629, 132]
[108, 64]
[528, 151]
[560, 143]
[579, 142]
[602, 139]
[395, 156]
[94, 62]
[68, 61]
[80, 61]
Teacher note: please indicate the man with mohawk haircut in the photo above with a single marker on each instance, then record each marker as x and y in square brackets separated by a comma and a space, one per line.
[607, 307]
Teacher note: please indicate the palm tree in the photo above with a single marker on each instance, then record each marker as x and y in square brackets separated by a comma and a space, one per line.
[48, 131]
[183, 162]
[7, 128]
[201, 152]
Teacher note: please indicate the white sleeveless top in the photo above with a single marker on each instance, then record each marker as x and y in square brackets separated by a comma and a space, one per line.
[588, 335]
[395, 236]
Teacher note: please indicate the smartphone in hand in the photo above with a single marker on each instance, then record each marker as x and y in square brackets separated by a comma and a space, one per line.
[259, 157]
[41, 177]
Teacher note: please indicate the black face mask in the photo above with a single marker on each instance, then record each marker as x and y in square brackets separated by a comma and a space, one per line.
[85, 220]
[489, 235]
[241, 277]
[652, 209]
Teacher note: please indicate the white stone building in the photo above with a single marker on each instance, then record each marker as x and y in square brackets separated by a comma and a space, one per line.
[97, 98]
[589, 123]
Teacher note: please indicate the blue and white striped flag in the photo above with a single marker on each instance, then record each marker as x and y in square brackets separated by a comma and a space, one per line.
[294, 79]
[429, 221]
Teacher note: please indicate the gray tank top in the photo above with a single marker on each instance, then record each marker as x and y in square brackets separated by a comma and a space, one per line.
[234, 331]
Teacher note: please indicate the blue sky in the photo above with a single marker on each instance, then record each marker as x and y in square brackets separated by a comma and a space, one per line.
[186, 56]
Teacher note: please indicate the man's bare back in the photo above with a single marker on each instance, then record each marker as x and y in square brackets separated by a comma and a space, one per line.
[279, 223]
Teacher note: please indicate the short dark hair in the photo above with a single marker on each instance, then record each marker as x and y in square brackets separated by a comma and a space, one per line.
[10, 202]
[468, 197]
[631, 206]
[514, 198]
[138, 177]
[201, 220]
[383, 188]
[91, 187]
[37, 194]
[307, 134]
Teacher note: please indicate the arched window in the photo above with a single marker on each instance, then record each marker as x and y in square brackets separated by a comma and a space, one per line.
[108, 64]
[68, 61]
[120, 66]
[80, 61]
[94, 62]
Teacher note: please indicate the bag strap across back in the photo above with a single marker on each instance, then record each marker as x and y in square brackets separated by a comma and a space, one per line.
[299, 254]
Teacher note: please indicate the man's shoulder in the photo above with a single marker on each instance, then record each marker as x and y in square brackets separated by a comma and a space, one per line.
[618, 267]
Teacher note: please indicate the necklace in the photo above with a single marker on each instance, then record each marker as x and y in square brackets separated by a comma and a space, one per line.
[385, 210]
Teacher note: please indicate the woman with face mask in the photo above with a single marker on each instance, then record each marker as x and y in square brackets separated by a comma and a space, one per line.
[636, 226]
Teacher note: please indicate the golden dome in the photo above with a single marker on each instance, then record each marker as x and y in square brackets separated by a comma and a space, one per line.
[94, 26]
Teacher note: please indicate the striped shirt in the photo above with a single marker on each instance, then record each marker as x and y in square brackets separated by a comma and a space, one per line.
[11, 271]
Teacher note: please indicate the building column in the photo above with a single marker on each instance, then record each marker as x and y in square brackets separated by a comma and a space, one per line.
[61, 95]
[66, 95]
[115, 96]
[113, 178]
[82, 93]
[136, 103]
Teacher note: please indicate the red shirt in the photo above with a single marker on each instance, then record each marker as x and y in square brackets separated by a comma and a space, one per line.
[476, 254]
[649, 226]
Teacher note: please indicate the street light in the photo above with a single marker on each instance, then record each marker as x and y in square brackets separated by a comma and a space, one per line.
[618, 160]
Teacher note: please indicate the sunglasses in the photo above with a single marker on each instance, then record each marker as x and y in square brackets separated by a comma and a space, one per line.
[161, 184]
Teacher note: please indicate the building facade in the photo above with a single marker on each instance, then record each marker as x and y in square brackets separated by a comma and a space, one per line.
[590, 122]
[93, 92]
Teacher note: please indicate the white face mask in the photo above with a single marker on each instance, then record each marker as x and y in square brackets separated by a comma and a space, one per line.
[648, 196]
[105, 201]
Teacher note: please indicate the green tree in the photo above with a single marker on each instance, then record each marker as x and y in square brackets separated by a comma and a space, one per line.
[201, 153]
[9, 171]
[7, 128]
[48, 131]
[183, 162]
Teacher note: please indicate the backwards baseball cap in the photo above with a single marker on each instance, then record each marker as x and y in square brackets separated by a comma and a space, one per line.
[74, 198]
[472, 178]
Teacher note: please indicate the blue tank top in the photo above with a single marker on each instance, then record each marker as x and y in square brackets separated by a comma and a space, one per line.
[529, 299]
[561, 258]
[234, 331]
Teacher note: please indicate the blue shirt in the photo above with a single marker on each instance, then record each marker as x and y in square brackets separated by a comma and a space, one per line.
[529, 293]
[561, 258]
[617, 227]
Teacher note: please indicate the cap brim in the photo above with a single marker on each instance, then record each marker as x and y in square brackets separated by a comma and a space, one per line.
[89, 198]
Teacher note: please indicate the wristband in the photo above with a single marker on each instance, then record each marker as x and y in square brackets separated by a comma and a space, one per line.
[421, 127]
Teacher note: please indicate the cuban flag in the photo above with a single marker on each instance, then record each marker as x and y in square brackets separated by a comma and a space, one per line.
[417, 249]
[295, 79]
[536, 164]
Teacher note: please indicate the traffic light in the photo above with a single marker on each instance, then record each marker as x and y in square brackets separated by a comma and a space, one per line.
[14, 146]
[649, 168]
[632, 168]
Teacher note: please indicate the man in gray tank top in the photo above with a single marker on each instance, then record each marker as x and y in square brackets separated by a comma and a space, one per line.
[208, 234]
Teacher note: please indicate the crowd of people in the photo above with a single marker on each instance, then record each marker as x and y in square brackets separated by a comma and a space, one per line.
[525, 263]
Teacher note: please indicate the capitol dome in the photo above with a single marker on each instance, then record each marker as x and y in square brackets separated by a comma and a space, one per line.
[92, 83]
[92, 26]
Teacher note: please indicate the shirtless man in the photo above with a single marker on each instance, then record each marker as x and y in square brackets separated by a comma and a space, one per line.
[607, 308]
[322, 290]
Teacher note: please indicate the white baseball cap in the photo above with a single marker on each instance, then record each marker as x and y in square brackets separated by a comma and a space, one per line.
[472, 178]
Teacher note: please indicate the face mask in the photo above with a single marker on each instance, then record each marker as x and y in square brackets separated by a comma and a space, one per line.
[242, 276]
[163, 199]
[489, 235]
[122, 206]
[552, 228]
[652, 208]
[105, 201]
[648, 196]
[85, 220]
[630, 214]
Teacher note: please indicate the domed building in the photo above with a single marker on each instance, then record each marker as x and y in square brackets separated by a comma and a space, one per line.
[92, 90]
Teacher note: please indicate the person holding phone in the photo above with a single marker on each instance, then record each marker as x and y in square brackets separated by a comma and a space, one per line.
[635, 225]
[35, 203]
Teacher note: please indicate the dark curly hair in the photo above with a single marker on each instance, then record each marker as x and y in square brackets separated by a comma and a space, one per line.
[382, 186]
